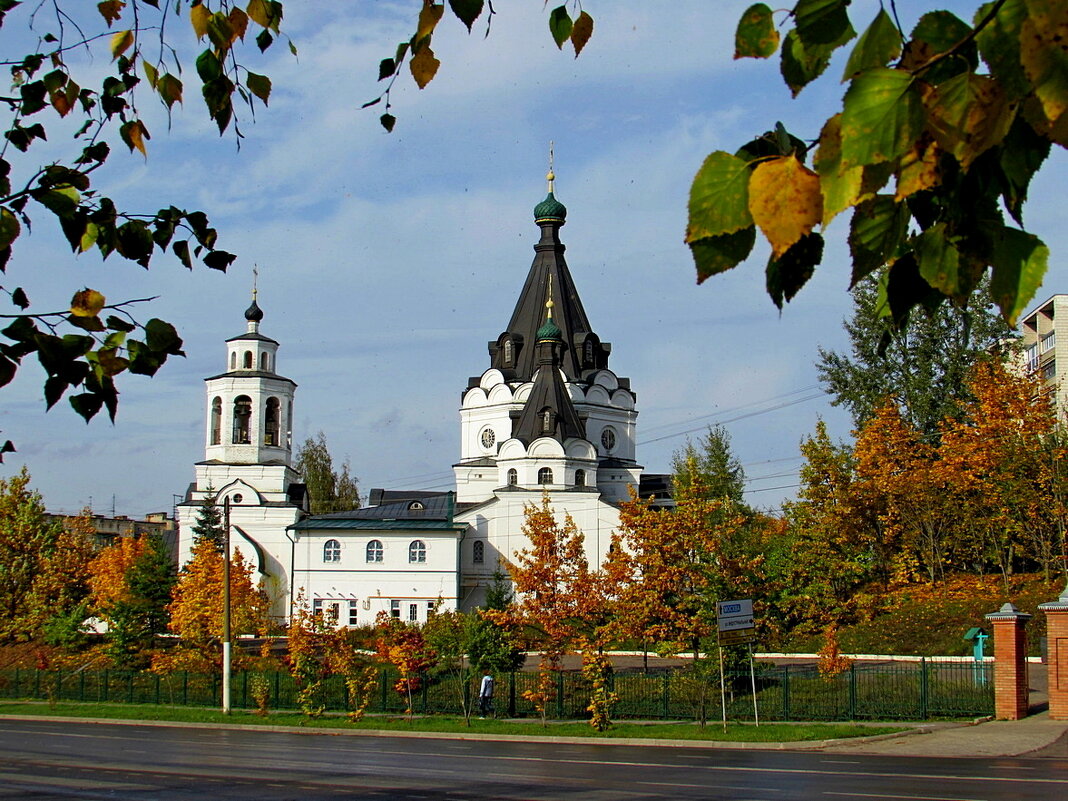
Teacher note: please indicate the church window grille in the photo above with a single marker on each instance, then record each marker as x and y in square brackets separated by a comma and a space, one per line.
[242, 420]
[513, 477]
[271, 422]
[264, 361]
[580, 478]
[413, 612]
[374, 551]
[248, 360]
[417, 552]
[545, 476]
[394, 609]
[509, 352]
[478, 552]
[216, 421]
[331, 551]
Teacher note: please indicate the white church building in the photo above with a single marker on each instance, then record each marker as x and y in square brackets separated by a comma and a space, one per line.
[546, 415]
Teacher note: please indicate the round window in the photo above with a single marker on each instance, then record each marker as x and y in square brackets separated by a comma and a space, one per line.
[608, 439]
[237, 497]
[488, 438]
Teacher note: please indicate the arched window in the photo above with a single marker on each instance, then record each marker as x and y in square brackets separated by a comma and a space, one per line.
[216, 421]
[416, 506]
[580, 478]
[513, 477]
[417, 551]
[242, 420]
[509, 352]
[289, 424]
[478, 552]
[374, 551]
[545, 476]
[270, 422]
[248, 360]
[233, 360]
[587, 351]
[331, 551]
[264, 361]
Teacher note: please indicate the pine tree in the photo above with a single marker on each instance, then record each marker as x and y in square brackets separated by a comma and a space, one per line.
[209, 525]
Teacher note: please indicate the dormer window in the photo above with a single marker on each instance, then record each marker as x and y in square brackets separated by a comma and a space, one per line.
[416, 506]
[548, 421]
[509, 352]
[513, 477]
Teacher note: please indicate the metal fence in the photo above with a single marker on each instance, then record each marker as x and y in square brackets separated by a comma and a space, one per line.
[912, 691]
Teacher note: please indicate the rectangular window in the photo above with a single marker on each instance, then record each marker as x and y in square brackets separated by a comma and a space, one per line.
[413, 612]
[353, 617]
[1049, 341]
[1049, 371]
[394, 609]
[1032, 357]
[317, 607]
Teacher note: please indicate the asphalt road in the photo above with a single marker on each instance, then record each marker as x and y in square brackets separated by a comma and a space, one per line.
[57, 760]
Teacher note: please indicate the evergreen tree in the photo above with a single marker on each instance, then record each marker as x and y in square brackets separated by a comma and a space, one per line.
[923, 367]
[328, 490]
[209, 525]
[711, 465]
[141, 614]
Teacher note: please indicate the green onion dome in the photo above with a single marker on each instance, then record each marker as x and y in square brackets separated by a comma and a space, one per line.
[550, 210]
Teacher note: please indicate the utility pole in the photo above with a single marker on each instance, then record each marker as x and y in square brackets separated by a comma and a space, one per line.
[226, 609]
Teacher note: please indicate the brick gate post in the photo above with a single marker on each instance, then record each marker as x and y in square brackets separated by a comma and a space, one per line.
[1010, 662]
[1057, 655]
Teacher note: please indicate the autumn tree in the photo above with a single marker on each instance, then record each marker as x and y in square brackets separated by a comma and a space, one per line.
[923, 366]
[131, 582]
[328, 490]
[449, 633]
[196, 608]
[81, 69]
[403, 646]
[495, 647]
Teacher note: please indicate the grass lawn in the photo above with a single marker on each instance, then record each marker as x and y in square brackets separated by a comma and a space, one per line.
[736, 732]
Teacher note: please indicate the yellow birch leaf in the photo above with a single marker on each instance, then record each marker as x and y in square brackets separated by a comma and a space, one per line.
[785, 201]
[841, 186]
[87, 303]
[200, 16]
[424, 66]
[120, 43]
[919, 171]
[239, 22]
[429, 17]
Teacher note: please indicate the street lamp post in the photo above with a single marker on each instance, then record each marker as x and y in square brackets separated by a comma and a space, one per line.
[226, 609]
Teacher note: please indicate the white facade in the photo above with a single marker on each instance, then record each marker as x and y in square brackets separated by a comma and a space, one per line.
[546, 416]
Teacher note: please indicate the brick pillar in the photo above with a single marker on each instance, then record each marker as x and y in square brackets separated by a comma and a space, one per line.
[1057, 655]
[1010, 662]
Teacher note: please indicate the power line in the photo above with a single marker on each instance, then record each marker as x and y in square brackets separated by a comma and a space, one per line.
[736, 418]
[689, 420]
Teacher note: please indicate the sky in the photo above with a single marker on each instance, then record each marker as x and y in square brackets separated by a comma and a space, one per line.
[387, 261]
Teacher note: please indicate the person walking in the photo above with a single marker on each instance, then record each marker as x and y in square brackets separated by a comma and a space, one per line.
[485, 695]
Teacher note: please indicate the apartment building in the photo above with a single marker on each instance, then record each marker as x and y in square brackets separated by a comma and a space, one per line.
[1044, 345]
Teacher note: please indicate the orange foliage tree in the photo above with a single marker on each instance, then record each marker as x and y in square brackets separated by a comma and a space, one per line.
[197, 609]
[404, 646]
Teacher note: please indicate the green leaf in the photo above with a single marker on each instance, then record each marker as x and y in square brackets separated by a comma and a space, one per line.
[219, 260]
[878, 46]
[264, 40]
[882, 117]
[801, 64]
[823, 22]
[259, 85]
[151, 73]
[9, 227]
[467, 11]
[876, 233]
[999, 44]
[717, 254]
[786, 275]
[756, 36]
[939, 262]
[719, 197]
[1020, 261]
[60, 201]
[386, 67]
[91, 324]
[968, 114]
[18, 297]
[161, 337]
[1020, 155]
[560, 25]
[905, 289]
[134, 241]
[388, 121]
[170, 90]
[938, 32]
[86, 404]
[1044, 55]
[7, 370]
[841, 186]
[119, 324]
[208, 66]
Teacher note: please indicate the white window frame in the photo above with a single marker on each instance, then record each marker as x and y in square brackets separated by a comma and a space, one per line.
[417, 552]
[332, 551]
[374, 552]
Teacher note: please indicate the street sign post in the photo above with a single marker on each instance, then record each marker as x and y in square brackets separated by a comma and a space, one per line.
[736, 626]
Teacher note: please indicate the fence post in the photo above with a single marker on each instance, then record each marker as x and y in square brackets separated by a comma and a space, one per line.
[665, 695]
[81, 685]
[924, 704]
[511, 694]
[853, 691]
[560, 694]
[106, 689]
[785, 692]
[157, 688]
[185, 688]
